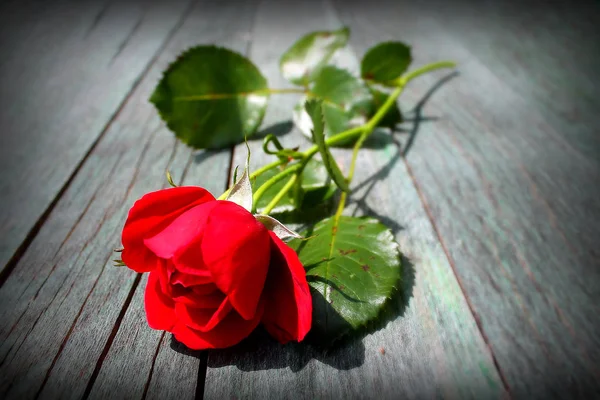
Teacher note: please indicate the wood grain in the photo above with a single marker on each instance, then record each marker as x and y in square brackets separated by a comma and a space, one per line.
[66, 68]
[546, 51]
[64, 303]
[511, 197]
[433, 349]
[141, 362]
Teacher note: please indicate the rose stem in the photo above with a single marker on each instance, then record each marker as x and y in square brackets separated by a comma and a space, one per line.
[280, 194]
[362, 131]
[273, 180]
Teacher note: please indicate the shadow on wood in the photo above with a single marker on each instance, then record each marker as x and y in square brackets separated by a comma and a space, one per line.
[418, 111]
[278, 129]
[201, 156]
[260, 351]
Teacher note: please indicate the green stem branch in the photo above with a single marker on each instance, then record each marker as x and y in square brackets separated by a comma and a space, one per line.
[265, 168]
[362, 132]
[357, 147]
[370, 126]
[254, 175]
[425, 69]
[273, 203]
[272, 181]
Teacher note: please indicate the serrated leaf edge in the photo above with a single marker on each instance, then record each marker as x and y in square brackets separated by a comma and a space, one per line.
[395, 288]
[172, 64]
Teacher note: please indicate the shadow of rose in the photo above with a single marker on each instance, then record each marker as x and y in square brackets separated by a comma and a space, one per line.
[260, 351]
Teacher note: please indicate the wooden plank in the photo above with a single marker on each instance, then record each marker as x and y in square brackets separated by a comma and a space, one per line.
[63, 304]
[513, 217]
[545, 51]
[66, 68]
[433, 349]
[141, 362]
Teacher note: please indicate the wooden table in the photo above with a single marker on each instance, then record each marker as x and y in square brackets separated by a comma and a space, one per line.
[491, 190]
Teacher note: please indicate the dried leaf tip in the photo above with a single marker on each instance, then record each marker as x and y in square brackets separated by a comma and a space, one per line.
[280, 230]
[235, 172]
[170, 179]
[241, 191]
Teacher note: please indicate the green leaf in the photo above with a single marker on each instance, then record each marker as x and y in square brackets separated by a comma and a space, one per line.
[346, 99]
[303, 61]
[385, 62]
[339, 87]
[314, 108]
[315, 185]
[211, 97]
[347, 103]
[353, 267]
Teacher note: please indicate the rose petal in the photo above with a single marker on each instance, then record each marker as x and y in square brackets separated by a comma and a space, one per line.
[189, 261]
[188, 280]
[149, 215]
[184, 230]
[288, 303]
[192, 298]
[205, 289]
[203, 319]
[229, 332]
[236, 250]
[163, 271]
[160, 309]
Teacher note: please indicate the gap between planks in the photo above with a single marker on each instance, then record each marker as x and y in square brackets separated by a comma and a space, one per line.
[203, 355]
[34, 231]
[451, 262]
[14, 260]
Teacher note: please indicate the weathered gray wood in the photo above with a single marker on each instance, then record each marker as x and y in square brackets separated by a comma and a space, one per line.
[66, 68]
[175, 373]
[141, 361]
[545, 50]
[433, 350]
[63, 303]
[512, 198]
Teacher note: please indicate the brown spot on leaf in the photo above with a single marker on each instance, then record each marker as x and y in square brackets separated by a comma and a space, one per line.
[334, 230]
[324, 259]
[361, 227]
[365, 267]
[369, 76]
[346, 252]
[371, 257]
[342, 287]
[325, 34]
[334, 276]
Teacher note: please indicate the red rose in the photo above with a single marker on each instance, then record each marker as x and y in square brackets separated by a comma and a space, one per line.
[216, 272]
